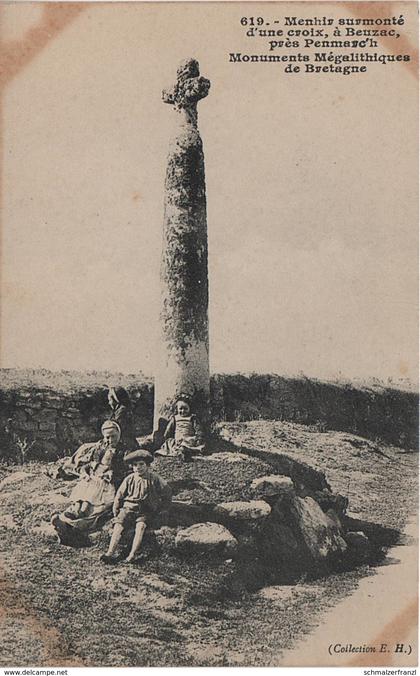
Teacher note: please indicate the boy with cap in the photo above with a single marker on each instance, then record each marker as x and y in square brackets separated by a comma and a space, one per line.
[143, 493]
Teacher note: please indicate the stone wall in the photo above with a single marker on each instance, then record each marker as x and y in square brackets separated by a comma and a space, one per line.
[57, 418]
[59, 422]
[375, 412]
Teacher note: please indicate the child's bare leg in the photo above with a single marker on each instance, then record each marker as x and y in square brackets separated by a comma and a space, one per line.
[137, 540]
[115, 539]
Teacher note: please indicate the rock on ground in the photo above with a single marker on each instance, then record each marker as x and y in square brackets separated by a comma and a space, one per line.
[206, 537]
[320, 533]
[274, 484]
[254, 509]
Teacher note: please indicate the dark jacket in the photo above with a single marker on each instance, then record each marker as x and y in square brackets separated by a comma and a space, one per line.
[124, 417]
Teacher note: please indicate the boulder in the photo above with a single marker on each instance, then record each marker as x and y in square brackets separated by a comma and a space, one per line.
[320, 534]
[206, 537]
[328, 500]
[272, 485]
[335, 519]
[248, 511]
[281, 546]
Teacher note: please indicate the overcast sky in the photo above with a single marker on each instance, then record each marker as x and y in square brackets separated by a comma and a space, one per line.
[311, 188]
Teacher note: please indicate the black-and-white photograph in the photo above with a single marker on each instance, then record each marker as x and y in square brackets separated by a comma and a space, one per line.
[209, 334]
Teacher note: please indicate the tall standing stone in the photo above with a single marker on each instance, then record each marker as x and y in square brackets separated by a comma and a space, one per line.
[183, 366]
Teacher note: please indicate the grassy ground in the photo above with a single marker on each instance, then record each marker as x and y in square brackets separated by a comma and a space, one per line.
[67, 381]
[62, 606]
[380, 481]
[212, 478]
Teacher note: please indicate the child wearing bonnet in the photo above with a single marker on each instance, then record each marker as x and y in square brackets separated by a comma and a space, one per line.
[183, 435]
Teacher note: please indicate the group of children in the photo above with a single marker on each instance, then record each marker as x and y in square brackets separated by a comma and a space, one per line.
[143, 493]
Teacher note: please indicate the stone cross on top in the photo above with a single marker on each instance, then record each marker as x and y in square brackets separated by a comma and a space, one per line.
[189, 88]
[183, 365]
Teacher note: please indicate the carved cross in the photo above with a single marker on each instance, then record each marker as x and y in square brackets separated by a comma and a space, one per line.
[188, 89]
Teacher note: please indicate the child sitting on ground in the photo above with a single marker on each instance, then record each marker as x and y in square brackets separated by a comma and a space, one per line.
[142, 494]
[183, 435]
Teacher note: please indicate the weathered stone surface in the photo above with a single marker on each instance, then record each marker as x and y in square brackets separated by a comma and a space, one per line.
[320, 533]
[36, 405]
[47, 444]
[47, 414]
[184, 360]
[72, 413]
[49, 435]
[47, 426]
[188, 89]
[28, 426]
[298, 537]
[335, 519]
[272, 485]
[331, 501]
[19, 417]
[77, 417]
[206, 537]
[54, 402]
[252, 510]
[282, 547]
